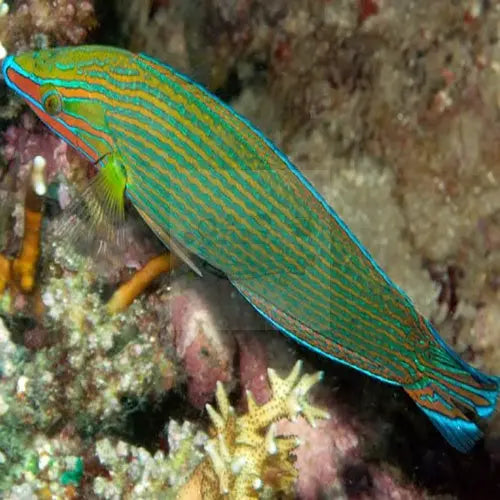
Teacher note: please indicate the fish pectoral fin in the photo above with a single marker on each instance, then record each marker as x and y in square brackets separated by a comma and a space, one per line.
[94, 222]
[172, 243]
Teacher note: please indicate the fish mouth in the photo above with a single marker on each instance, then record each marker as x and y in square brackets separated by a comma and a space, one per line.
[6, 65]
[28, 87]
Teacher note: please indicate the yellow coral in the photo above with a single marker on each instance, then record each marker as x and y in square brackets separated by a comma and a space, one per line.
[246, 460]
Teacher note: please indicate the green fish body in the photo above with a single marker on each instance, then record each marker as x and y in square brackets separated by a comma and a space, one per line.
[209, 183]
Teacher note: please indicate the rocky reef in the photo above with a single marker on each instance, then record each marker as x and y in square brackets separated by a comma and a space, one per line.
[391, 109]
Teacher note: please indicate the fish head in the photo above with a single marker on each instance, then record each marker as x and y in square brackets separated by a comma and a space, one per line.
[66, 87]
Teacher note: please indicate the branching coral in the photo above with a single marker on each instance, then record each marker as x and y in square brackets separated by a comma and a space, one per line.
[245, 457]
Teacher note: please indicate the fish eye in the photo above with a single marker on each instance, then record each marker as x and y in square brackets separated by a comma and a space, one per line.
[51, 100]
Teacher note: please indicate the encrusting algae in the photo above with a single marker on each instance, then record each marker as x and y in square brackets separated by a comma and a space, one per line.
[245, 458]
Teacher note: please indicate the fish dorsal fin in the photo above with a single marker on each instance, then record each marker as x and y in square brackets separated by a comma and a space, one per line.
[94, 222]
[174, 245]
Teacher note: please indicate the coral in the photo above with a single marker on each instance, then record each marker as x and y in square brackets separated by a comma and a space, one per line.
[246, 457]
[133, 472]
[18, 274]
[24, 143]
[24, 266]
[51, 469]
[158, 28]
[204, 346]
[64, 174]
[130, 290]
[105, 356]
[88, 365]
[336, 458]
[28, 139]
[4, 9]
[31, 23]
[12, 438]
[330, 461]
[321, 454]
[253, 364]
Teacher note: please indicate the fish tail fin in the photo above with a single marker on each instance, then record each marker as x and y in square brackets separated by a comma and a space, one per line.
[454, 395]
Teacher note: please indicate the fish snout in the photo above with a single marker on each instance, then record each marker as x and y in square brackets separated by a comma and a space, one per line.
[6, 64]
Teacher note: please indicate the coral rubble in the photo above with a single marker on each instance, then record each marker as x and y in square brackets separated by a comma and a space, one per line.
[133, 472]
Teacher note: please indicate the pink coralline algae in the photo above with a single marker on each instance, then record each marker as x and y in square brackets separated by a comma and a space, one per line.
[385, 487]
[320, 453]
[205, 349]
[253, 367]
[331, 462]
[25, 141]
[213, 331]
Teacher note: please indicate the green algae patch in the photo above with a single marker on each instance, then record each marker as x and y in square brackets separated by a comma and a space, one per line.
[73, 476]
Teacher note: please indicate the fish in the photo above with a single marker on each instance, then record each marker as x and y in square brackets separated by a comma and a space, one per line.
[213, 187]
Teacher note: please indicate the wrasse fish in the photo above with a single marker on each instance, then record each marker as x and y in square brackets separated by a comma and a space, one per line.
[210, 184]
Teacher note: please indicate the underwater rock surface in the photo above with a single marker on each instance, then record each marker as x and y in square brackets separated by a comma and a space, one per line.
[391, 109]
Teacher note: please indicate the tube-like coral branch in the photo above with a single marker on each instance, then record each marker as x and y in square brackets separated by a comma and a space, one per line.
[24, 266]
[20, 272]
[127, 292]
[5, 271]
